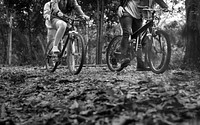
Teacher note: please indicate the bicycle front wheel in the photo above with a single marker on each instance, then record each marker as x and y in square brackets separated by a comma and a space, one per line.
[159, 52]
[76, 53]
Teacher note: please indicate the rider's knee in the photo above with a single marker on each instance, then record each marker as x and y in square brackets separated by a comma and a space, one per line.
[127, 32]
[63, 25]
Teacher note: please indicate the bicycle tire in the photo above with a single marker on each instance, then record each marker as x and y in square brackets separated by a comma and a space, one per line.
[47, 52]
[76, 51]
[51, 61]
[111, 56]
[159, 36]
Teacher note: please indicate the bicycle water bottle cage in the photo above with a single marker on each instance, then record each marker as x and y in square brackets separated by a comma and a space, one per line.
[73, 31]
[69, 30]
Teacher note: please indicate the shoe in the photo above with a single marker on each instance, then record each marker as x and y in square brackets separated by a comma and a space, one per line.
[55, 53]
[114, 62]
[141, 66]
[124, 63]
[116, 55]
[143, 69]
[55, 50]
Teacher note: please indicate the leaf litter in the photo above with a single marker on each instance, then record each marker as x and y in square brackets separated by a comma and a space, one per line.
[97, 96]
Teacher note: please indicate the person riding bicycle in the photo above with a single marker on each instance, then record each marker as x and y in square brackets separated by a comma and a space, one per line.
[131, 20]
[57, 9]
[50, 30]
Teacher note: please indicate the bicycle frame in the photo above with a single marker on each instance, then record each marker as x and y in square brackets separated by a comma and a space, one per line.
[151, 35]
[67, 36]
[72, 47]
[141, 30]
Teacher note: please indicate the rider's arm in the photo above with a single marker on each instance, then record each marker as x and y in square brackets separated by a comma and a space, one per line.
[77, 7]
[47, 11]
[161, 3]
[54, 7]
[122, 4]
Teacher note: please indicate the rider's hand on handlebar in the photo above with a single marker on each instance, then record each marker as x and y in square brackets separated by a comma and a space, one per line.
[85, 17]
[165, 9]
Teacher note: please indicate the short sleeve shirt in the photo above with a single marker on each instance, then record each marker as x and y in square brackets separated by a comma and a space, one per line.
[132, 8]
[62, 5]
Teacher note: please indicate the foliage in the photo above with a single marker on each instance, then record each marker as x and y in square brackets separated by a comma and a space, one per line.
[29, 23]
[174, 24]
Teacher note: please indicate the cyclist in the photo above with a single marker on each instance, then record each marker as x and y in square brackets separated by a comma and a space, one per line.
[131, 20]
[59, 8]
[50, 30]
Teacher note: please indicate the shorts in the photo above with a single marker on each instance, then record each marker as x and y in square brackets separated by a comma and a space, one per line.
[54, 21]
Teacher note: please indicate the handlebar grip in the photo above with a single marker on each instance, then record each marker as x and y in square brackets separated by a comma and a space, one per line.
[73, 19]
[142, 7]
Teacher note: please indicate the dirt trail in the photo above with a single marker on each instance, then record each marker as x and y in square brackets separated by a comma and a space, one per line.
[30, 95]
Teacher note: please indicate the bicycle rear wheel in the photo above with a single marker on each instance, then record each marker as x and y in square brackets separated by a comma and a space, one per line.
[113, 54]
[76, 53]
[159, 52]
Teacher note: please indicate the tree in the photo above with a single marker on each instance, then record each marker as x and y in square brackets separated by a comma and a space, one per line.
[6, 19]
[3, 33]
[28, 24]
[100, 9]
[100, 17]
[192, 58]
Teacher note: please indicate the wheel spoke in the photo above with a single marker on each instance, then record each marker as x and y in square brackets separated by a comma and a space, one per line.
[76, 54]
[113, 53]
[160, 52]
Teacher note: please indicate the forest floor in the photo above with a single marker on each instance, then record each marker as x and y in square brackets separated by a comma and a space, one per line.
[97, 96]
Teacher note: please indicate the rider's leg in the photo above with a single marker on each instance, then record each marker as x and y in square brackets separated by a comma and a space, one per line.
[61, 27]
[50, 37]
[140, 63]
[126, 24]
[137, 23]
[120, 53]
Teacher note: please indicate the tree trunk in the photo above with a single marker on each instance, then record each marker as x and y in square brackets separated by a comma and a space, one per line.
[30, 49]
[192, 58]
[89, 52]
[10, 41]
[4, 43]
[100, 17]
[42, 44]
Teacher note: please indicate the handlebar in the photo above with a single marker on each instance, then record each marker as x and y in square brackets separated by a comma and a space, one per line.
[72, 19]
[69, 19]
[146, 8]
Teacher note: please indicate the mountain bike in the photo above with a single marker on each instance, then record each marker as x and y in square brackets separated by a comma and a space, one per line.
[150, 38]
[72, 49]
